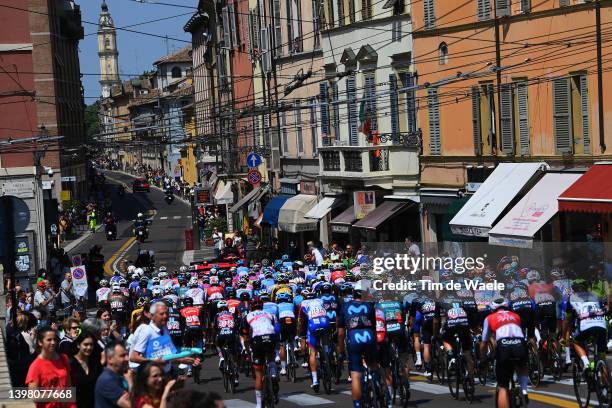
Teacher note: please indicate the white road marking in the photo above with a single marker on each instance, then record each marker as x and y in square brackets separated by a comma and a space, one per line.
[428, 388]
[305, 399]
[177, 217]
[163, 218]
[238, 403]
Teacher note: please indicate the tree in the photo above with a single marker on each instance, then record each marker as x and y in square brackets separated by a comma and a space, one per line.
[92, 120]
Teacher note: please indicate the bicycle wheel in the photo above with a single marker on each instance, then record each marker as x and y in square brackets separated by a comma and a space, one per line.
[602, 384]
[534, 365]
[582, 389]
[231, 374]
[268, 399]
[453, 378]
[326, 372]
[555, 359]
[291, 364]
[441, 364]
[469, 387]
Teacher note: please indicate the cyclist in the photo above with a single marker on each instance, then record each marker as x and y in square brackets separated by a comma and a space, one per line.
[191, 322]
[312, 320]
[118, 307]
[103, 293]
[544, 295]
[425, 316]
[456, 324]
[263, 344]
[392, 314]
[286, 317]
[524, 306]
[225, 334]
[511, 354]
[195, 292]
[174, 321]
[357, 324]
[584, 311]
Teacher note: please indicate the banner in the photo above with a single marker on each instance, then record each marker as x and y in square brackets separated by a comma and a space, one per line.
[79, 280]
[364, 202]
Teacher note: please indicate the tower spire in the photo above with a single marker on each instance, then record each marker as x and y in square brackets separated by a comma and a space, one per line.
[107, 51]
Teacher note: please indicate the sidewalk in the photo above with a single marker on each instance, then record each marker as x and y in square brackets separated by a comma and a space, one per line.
[68, 246]
[204, 254]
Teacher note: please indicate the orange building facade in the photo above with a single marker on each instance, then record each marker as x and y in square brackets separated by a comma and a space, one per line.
[507, 81]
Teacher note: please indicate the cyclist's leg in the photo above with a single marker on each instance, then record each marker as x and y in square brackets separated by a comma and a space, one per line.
[426, 334]
[259, 359]
[466, 342]
[384, 353]
[417, 348]
[356, 369]
[312, 356]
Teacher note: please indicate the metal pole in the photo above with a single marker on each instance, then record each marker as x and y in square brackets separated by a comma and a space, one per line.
[9, 255]
[498, 80]
[600, 99]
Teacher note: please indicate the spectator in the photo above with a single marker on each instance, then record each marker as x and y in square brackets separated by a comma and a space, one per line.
[43, 299]
[96, 327]
[316, 253]
[67, 293]
[149, 389]
[111, 326]
[71, 332]
[63, 228]
[252, 245]
[49, 369]
[217, 237]
[21, 348]
[111, 391]
[412, 247]
[293, 251]
[83, 372]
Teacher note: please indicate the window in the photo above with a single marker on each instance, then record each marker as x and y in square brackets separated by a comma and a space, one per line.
[430, 17]
[522, 113]
[398, 7]
[294, 26]
[408, 81]
[351, 94]
[313, 129]
[484, 9]
[278, 35]
[571, 114]
[525, 6]
[502, 8]
[563, 3]
[330, 15]
[336, 110]
[316, 18]
[483, 118]
[443, 54]
[298, 127]
[232, 25]
[352, 17]
[300, 140]
[107, 43]
[340, 13]
[366, 9]
[370, 95]
[290, 33]
[227, 40]
[284, 131]
[433, 106]
[176, 72]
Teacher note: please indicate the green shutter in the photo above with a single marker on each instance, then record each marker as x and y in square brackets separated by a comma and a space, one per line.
[562, 111]
[506, 116]
[434, 121]
[476, 121]
[584, 108]
[523, 113]
[394, 105]
[351, 90]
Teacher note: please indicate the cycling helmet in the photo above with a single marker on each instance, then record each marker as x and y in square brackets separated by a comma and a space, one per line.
[308, 294]
[533, 275]
[490, 275]
[285, 258]
[298, 264]
[284, 297]
[155, 280]
[103, 283]
[264, 296]
[193, 282]
[244, 296]
[135, 276]
[349, 277]
[214, 280]
[221, 305]
[498, 302]
[188, 301]
[264, 262]
[116, 289]
[256, 284]
[162, 275]
[141, 302]
[169, 301]
[325, 287]
[206, 280]
[256, 304]
[240, 262]
[231, 293]
[131, 269]
[123, 282]
[139, 271]
[162, 269]
[556, 274]
[182, 278]
[168, 290]
[183, 269]
[143, 282]
[228, 281]
[157, 292]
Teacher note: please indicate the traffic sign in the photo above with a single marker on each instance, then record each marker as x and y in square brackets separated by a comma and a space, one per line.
[254, 177]
[253, 160]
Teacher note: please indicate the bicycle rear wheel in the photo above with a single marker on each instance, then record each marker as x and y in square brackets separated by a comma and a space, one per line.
[453, 379]
[469, 387]
[534, 365]
[582, 389]
[291, 363]
[602, 384]
[268, 398]
[326, 371]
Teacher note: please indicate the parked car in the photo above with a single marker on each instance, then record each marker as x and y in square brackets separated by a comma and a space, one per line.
[141, 185]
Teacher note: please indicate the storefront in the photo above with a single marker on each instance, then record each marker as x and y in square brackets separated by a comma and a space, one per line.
[321, 213]
[248, 209]
[293, 224]
[381, 224]
[340, 226]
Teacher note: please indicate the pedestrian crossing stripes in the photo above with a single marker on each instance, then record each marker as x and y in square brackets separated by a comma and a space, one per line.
[175, 217]
[306, 399]
[238, 403]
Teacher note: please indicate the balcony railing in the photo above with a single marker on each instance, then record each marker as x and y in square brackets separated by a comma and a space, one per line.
[330, 160]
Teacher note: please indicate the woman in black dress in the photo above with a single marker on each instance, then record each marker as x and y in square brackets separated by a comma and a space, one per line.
[83, 370]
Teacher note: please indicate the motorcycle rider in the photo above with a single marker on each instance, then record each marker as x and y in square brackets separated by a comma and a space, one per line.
[109, 224]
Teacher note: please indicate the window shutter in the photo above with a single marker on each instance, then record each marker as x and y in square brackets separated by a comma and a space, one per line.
[284, 141]
[227, 43]
[370, 94]
[278, 39]
[313, 129]
[300, 140]
[340, 6]
[232, 18]
[434, 121]
[250, 34]
[256, 25]
[394, 107]
[502, 8]
[525, 6]
[563, 3]
[476, 121]
[267, 126]
[484, 9]
[336, 110]
[323, 101]
[523, 113]
[584, 107]
[562, 115]
[506, 114]
[351, 90]
[430, 17]
[256, 131]
[410, 101]
[266, 60]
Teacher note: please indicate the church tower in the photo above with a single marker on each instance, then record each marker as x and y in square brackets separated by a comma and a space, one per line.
[107, 52]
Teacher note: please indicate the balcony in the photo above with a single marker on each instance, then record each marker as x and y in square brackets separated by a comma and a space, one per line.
[392, 163]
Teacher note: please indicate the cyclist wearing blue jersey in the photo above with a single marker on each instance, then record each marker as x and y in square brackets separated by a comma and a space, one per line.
[312, 320]
[286, 317]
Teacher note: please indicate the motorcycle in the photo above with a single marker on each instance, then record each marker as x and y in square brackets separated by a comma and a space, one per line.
[141, 232]
[111, 232]
[169, 198]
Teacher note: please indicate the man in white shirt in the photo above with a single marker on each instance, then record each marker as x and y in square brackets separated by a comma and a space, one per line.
[67, 293]
[315, 253]
[44, 297]
[218, 242]
[412, 247]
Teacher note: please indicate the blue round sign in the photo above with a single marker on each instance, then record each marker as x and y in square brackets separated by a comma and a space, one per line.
[253, 160]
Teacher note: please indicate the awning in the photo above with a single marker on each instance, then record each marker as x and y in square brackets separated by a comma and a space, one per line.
[253, 195]
[322, 208]
[343, 221]
[438, 196]
[404, 197]
[591, 193]
[270, 214]
[382, 213]
[524, 220]
[481, 211]
[292, 214]
[224, 194]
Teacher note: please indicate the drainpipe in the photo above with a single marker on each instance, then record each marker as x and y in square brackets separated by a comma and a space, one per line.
[602, 143]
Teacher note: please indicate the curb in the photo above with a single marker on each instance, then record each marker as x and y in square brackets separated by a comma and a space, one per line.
[73, 244]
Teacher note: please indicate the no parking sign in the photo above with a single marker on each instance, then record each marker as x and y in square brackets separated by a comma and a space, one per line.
[79, 280]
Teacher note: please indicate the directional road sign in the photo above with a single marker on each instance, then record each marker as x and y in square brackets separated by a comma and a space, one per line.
[253, 160]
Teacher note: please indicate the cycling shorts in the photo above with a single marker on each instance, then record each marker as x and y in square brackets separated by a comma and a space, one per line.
[464, 337]
[527, 321]
[426, 332]
[313, 336]
[511, 354]
[384, 349]
[288, 329]
[226, 340]
[597, 334]
[361, 344]
[193, 337]
[262, 346]
[546, 316]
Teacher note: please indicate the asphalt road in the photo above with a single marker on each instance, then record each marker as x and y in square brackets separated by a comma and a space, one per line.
[167, 240]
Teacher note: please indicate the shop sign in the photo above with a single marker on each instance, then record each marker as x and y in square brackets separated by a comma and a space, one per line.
[23, 261]
[470, 230]
[472, 187]
[202, 196]
[305, 227]
[21, 189]
[514, 242]
[308, 187]
[68, 179]
[364, 202]
[342, 229]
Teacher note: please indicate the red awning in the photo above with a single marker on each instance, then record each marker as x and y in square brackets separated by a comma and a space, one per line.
[590, 193]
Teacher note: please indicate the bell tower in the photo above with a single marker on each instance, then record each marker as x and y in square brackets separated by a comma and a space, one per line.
[107, 52]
